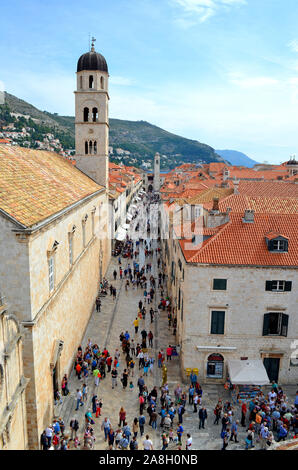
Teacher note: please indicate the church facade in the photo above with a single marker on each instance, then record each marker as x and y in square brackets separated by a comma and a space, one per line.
[54, 246]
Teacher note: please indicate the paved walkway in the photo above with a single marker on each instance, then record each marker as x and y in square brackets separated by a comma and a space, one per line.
[104, 329]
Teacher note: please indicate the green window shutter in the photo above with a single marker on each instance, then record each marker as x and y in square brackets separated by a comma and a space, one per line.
[266, 324]
[268, 285]
[284, 325]
[217, 322]
[288, 286]
[219, 284]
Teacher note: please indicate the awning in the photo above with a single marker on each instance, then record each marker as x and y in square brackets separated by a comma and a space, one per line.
[129, 216]
[132, 206]
[125, 226]
[121, 234]
[251, 372]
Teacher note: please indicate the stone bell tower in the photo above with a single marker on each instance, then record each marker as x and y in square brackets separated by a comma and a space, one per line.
[156, 181]
[92, 116]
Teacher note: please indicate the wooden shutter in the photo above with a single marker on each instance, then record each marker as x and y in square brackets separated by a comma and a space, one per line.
[217, 322]
[266, 324]
[268, 285]
[288, 286]
[284, 324]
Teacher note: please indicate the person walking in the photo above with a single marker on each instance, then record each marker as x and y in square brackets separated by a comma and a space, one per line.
[203, 416]
[98, 304]
[234, 431]
[79, 399]
[225, 434]
[147, 443]
[135, 427]
[114, 375]
[136, 325]
[74, 427]
[124, 379]
[106, 426]
[243, 414]
[122, 416]
[142, 421]
[249, 439]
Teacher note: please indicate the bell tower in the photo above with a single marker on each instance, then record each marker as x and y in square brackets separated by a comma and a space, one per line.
[156, 180]
[91, 116]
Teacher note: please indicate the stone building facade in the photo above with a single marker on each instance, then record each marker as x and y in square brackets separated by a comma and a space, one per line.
[13, 384]
[233, 296]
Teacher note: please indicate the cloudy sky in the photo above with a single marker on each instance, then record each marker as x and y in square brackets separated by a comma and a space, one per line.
[224, 72]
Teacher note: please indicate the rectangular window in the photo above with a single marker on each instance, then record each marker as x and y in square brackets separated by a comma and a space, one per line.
[219, 284]
[279, 286]
[275, 324]
[51, 265]
[278, 245]
[217, 322]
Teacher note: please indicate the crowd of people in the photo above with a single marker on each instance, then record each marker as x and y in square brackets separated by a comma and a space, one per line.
[264, 418]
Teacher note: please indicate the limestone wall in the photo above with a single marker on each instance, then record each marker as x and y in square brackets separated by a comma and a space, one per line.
[245, 302]
[13, 423]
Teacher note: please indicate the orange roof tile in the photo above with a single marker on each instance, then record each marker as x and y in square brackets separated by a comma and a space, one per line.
[36, 184]
[239, 243]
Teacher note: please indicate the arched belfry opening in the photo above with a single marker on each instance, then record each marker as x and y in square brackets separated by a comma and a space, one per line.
[86, 114]
[91, 81]
[102, 83]
[95, 114]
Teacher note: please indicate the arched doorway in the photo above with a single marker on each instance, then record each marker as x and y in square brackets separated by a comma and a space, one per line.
[150, 188]
[215, 366]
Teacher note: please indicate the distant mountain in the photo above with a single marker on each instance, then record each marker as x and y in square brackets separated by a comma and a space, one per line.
[140, 138]
[236, 158]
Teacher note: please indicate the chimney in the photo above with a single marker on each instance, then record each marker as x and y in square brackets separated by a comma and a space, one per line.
[249, 216]
[215, 204]
[236, 186]
[215, 218]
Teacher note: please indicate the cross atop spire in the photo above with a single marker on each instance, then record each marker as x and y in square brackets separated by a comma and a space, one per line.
[92, 44]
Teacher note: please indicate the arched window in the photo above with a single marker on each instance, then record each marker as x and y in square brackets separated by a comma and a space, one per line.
[102, 83]
[81, 82]
[94, 114]
[90, 147]
[95, 147]
[86, 148]
[86, 114]
[91, 81]
[215, 366]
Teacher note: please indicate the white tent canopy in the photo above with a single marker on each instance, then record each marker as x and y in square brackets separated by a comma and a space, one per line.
[125, 226]
[121, 234]
[129, 216]
[249, 372]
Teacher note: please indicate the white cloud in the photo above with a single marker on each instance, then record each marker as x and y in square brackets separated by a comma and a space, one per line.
[200, 10]
[251, 82]
[293, 45]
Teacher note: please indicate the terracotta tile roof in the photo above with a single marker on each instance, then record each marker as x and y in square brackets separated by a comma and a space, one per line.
[268, 188]
[239, 243]
[36, 184]
[207, 196]
[268, 205]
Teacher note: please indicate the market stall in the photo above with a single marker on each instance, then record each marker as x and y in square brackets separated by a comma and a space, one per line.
[246, 378]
